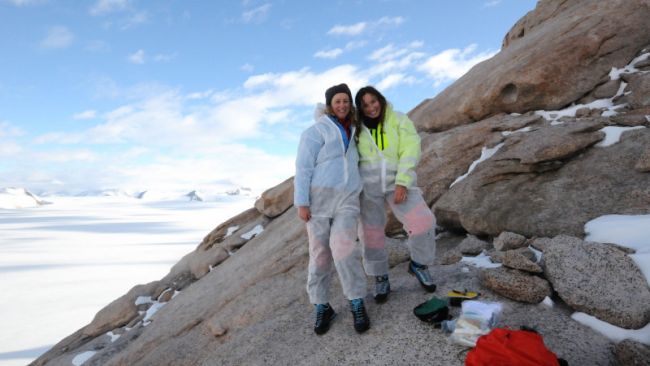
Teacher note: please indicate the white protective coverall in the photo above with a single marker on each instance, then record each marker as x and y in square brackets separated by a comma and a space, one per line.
[381, 169]
[327, 181]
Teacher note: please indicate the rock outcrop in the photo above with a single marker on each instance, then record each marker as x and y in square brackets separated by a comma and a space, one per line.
[599, 280]
[552, 57]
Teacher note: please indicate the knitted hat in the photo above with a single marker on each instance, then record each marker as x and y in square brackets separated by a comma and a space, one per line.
[331, 92]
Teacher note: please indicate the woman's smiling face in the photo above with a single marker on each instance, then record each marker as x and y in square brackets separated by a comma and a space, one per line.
[341, 105]
[371, 107]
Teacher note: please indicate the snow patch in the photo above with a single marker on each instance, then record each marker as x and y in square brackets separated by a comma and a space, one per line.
[481, 261]
[485, 154]
[81, 358]
[14, 198]
[525, 129]
[113, 336]
[613, 134]
[256, 231]
[627, 230]
[547, 302]
[613, 332]
[143, 300]
[231, 230]
[606, 103]
[615, 73]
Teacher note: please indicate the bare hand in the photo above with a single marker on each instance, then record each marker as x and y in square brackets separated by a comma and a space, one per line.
[304, 213]
[400, 194]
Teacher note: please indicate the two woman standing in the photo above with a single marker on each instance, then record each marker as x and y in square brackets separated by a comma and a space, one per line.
[330, 174]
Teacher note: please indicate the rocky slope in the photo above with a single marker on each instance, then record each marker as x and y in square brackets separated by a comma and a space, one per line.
[239, 298]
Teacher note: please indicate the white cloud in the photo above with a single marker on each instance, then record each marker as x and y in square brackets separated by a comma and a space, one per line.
[256, 15]
[134, 19]
[164, 57]
[390, 59]
[349, 30]
[388, 52]
[138, 57]
[23, 2]
[10, 148]
[64, 156]
[97, 46]
[367, 26]
[7, 130]
[108, 6]
[330, 54]
[57, 37]
[247, 67]
[166, 117]
[353, 45]
[453, 63]
[393, 80]
[394, 21]
[491, 3]
[87, 114]
[200, 95]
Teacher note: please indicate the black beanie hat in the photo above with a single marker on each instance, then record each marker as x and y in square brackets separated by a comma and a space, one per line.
[331, 92]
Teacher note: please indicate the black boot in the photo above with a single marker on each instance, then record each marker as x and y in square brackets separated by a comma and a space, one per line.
[324, 316]
[361, 320]
[382, 288]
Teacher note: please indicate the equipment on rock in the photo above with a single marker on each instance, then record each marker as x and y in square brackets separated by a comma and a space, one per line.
[434, 310]
[507, 347]
[456, 297]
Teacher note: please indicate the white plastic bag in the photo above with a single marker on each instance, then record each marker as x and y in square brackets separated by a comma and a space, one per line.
[476, 319]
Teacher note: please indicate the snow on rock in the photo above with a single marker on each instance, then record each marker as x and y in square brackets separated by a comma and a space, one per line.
[485, 154]
[615, 74]
[255, 231]
[627, 230]
[81, 358]
[231, 230]
[613, 332]
[155, 306]
[481, 261]
[548, 302]
[12, 198]
[113, 336]
[613, 134]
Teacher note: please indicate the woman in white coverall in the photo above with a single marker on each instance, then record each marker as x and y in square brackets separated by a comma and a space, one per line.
[389, 150]
[326, 193]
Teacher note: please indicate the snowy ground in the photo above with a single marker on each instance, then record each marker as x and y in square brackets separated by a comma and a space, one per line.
[61, 263]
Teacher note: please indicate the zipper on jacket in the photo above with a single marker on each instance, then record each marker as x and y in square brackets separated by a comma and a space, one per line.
[383, 161]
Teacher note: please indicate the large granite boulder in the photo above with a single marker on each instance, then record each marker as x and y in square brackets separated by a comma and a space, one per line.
[599, 280]
[552, 57]
[515, 284]
[508, 241]
[274, 201]
[563, 185]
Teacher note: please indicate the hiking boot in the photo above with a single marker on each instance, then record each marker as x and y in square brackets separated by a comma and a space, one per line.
[324, 316]
[382, 288]
[361, 320]
[421, 272]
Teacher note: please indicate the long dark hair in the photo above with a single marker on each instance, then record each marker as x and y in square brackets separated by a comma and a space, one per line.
[358, 102]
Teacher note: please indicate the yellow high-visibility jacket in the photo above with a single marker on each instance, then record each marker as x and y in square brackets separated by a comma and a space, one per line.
[382, 169]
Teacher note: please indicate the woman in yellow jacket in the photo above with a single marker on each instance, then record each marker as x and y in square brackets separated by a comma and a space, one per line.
[389, 150]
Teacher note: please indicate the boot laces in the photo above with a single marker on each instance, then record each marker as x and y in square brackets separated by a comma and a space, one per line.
[357, 308]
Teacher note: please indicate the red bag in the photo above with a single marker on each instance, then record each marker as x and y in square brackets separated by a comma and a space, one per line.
[507, 347]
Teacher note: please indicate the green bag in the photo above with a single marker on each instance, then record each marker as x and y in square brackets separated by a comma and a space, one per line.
[434, 310]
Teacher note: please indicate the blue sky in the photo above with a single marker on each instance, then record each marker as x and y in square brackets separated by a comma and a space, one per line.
[183, 95]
